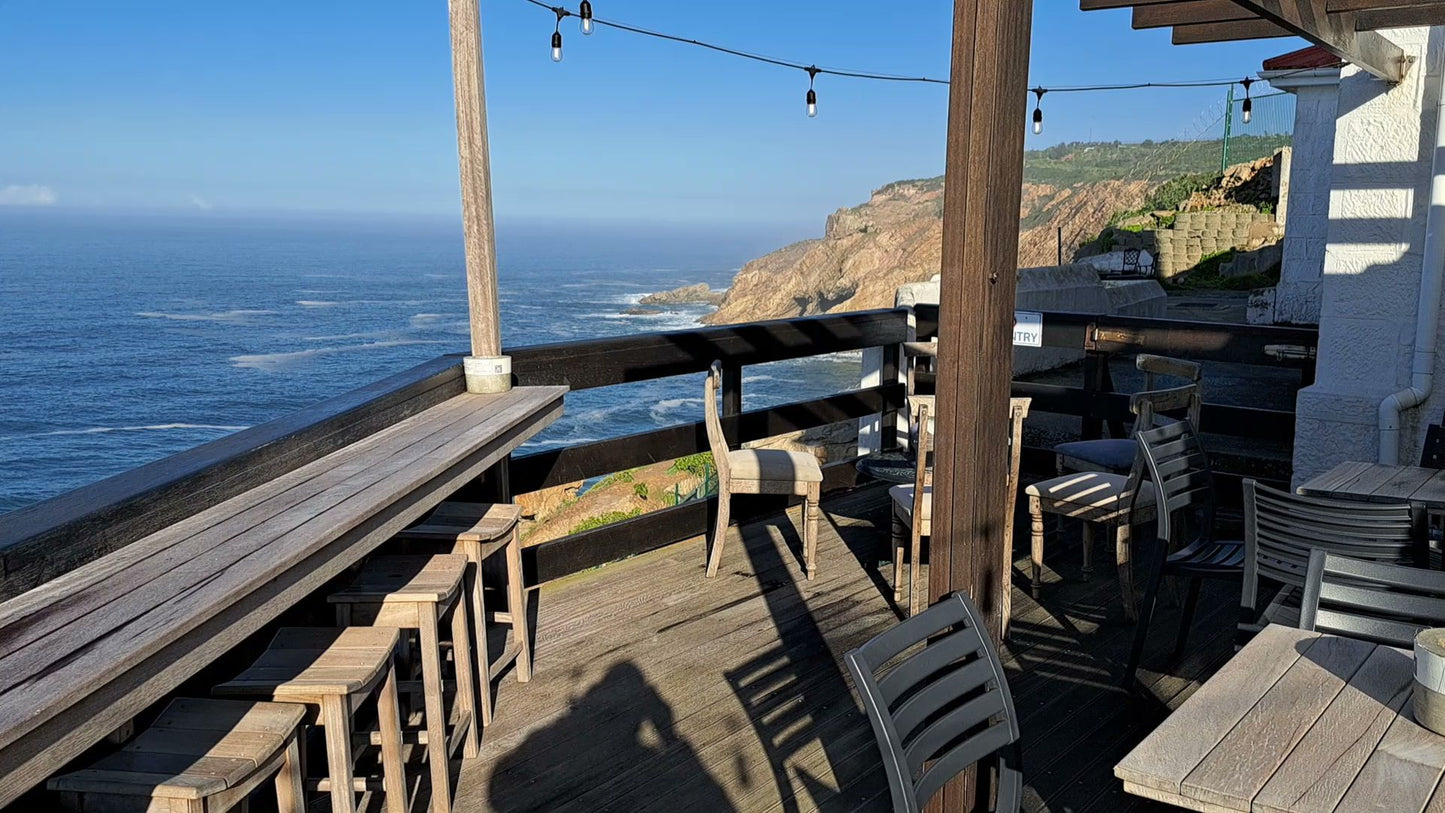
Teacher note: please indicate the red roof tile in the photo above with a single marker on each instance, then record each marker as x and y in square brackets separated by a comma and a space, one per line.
[1311, 57]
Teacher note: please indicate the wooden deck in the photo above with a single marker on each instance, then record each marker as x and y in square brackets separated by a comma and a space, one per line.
[658, 689]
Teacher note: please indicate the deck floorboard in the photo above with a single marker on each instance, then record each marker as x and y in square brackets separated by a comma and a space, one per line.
[656, 689]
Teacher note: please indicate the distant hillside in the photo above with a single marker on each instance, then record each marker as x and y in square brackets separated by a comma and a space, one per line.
[897, 236]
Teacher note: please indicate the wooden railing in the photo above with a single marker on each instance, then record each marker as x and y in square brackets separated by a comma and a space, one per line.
[42, 541]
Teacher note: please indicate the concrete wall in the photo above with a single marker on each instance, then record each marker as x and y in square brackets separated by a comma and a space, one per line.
[1296, 300]
[1379, 190]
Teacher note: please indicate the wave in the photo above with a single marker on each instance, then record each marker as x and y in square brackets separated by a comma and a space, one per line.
[754, 379]
[664, 408]
[271, 362]
[160, 427]
[231, 316]
[316, 303]
[557, 443]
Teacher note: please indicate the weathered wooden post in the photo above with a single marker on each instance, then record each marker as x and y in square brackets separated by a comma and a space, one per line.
[487, 370]
[982, 188]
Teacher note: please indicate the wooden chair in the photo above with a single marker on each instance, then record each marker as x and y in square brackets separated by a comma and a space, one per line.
[943, 708]
[419, 593]
[481, 531]
[759, 471]
[1117, 454]
[335, 671]
[199, 756]
[1281, 529]
[913, 504]
[1380, 602]
[1105, 498]
[1179, 469]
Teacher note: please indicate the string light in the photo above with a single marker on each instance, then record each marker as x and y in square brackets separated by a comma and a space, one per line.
[584, 13]
[557, 34]
[812, 94]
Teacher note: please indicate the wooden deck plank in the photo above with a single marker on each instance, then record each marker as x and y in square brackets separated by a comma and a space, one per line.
[656, 689]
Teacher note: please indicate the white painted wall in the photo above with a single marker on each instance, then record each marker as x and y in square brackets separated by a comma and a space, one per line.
[1379, 188]
[1297, 297]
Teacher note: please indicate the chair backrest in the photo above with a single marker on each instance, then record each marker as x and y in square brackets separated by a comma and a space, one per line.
[1375, 601]
[922, 457]
[716, 440]
[1150, 406]
[1432, 456]
[921, 708]
[1281, 529]
[1151, 365]
[1174, 459]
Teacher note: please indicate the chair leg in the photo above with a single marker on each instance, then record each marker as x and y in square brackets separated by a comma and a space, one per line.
[479, 633]
[1141, 629]
[915, 554]
[898, 540]
[811, 511]
[1087, 535]
[290, 795]
[1186, 619]
[1036, 538]
[517, 606]
[436, 714]
[388, 719]
[336, 720]
[1123, 544]
[466, 695]
[719, 533]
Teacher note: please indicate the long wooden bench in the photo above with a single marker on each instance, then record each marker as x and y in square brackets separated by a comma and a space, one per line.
[84, 653]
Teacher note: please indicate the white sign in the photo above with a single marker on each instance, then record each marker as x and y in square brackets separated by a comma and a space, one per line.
[1028, 329]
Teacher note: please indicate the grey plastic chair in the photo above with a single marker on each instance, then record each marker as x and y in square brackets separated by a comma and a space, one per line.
[1385, 603]
[921, 708]
[1281, 529]
[1175, 460]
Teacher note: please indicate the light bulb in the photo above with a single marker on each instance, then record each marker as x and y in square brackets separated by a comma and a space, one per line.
[585, 13]
[1038, 109]
[1248, 110]
[557, 46]
[812, 103]
[1038, 121]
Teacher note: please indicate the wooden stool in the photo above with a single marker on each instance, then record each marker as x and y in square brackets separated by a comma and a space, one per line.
[1094, 497]
[480, 531]
[416, 593]
[199, 756]
[335, 671]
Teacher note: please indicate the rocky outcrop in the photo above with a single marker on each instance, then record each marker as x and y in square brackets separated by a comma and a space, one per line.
[699, 294]
[896, 238]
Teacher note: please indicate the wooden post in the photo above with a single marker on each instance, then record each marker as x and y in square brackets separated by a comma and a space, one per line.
[487, 370]
[983, 184]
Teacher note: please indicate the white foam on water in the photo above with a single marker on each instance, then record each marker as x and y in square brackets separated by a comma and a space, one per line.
[668, 406]
[159, 427]
[231, 316]
[316, 303]
[271, 362]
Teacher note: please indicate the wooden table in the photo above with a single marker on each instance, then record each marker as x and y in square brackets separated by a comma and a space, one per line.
[1374, 482]
[1297, 721]
[83, 653]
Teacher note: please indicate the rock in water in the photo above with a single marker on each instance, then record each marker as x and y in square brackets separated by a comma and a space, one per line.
[699, 294]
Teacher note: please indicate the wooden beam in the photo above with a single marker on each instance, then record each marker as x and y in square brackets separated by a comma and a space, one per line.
[1254, 29]
[1417, 15]
[1335, 32]
[1163, 15]
[474, 156]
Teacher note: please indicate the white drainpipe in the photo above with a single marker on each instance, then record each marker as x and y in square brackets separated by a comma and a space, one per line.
[1427, 318]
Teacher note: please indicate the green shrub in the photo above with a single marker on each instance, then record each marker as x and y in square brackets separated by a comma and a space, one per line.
[698, 465]
[619, 477]
[1175, 191]
[601, 520]
[669, 498]
[640, 489]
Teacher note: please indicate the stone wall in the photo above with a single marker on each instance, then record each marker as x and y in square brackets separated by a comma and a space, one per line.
[1196, 235]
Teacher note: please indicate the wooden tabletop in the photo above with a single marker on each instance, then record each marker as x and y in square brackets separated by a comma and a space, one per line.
[82, 654]
[1297, 721]
[1379, 483]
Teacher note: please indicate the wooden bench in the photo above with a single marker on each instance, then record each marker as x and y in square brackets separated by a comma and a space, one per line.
[82, 654]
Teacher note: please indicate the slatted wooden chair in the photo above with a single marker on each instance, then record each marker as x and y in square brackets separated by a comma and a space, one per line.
[1380, 602]
[336, 672]
[1281, 529]
[199, 756]
[942, 708]
[913, 504]
[1117, 455]
[759, 471]
[419, 593]
[1183, 479]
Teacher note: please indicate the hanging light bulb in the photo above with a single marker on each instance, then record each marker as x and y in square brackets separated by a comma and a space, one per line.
[1248, 107]
[584, 12]
[1038, 110]
[557, 34]
[812, 94]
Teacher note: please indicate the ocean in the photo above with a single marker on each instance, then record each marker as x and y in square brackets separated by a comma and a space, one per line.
[124, 339]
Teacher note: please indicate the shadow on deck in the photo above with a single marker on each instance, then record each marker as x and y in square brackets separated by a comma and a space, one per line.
[658, 689]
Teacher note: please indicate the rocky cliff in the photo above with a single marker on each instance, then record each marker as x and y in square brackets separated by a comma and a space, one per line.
[896, 238]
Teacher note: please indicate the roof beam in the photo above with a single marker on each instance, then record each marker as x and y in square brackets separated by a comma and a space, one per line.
[1404, 17]
[1193, 12]
[1336, 33]
[1251, 29]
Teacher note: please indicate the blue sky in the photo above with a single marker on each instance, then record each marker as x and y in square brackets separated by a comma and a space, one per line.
[321, 105]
